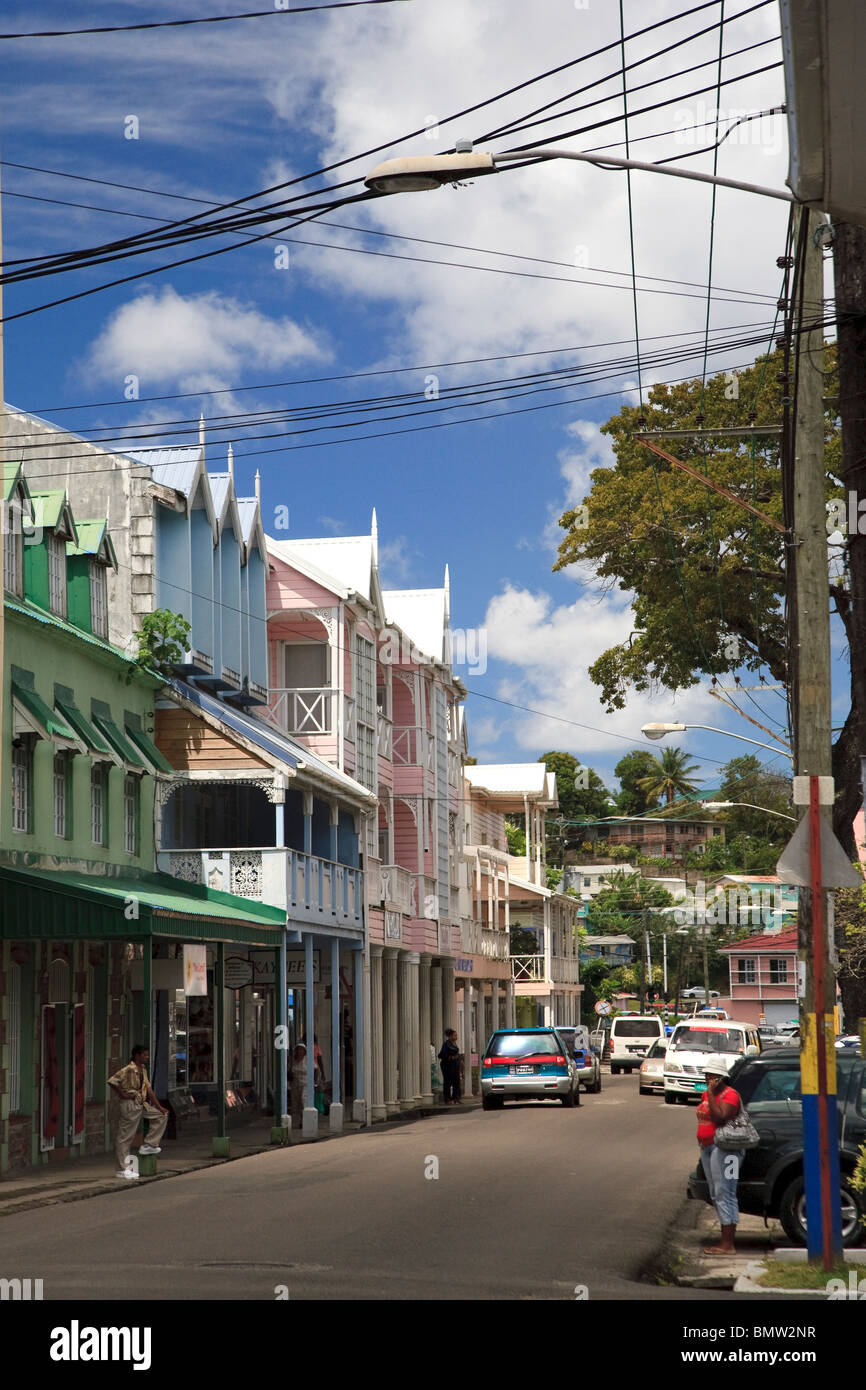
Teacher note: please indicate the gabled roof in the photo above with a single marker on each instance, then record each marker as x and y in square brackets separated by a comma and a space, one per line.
[766, 941]
[13, 477]
[180, 467]
[93, 539]
[423, 615]
[252, 531]
[347, 558]
[52, 510]
[222, 486]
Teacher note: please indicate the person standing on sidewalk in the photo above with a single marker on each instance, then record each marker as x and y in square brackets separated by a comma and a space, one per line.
[721, 1166]
[298, 1087]
[449, 1060]
[136, 1102]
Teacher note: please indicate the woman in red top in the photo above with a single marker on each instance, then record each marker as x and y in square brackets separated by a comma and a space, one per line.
[721, 1166]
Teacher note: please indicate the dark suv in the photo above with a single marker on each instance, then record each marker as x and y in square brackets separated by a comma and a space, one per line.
[771, 1176]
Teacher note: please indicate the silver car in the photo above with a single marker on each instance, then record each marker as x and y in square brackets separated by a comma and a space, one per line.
[652, 1071]
[586, 1059]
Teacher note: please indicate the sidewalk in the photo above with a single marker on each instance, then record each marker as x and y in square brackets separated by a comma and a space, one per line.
[685, 1264]
[72, 1179]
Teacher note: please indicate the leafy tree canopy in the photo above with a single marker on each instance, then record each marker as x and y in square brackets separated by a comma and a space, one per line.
[632, 799]
[670, 776]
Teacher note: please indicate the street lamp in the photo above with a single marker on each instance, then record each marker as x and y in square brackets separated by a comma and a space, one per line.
[415, 173]
[725, 805]
[656, 731]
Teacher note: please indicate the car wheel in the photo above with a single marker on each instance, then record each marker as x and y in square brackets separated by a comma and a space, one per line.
[568, 1100]
[670, 1098]
[792, 1213]
[492, 1102]
[642, 1091]
[614, 1071]
[597, 1087]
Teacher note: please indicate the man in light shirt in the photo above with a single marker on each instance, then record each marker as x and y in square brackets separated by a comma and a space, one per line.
[136, 1102]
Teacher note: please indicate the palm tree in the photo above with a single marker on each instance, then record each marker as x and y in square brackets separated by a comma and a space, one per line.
[670, 776]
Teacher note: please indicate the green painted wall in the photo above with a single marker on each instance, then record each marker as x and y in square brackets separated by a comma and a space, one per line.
[78, 591]
[56, 657]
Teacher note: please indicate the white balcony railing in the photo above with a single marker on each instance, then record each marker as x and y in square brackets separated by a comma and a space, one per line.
[384, 733]
[413, 747]
[531, 969]
[471, 938]
[306, 886]
[398, 888]
[494, 944]
[310, 710]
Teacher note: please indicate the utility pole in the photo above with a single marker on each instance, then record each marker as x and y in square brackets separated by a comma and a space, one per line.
[809, 639]
[5, 513]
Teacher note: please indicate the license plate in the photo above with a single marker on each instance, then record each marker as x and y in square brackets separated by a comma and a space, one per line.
[523, 1071]
[700, 1085]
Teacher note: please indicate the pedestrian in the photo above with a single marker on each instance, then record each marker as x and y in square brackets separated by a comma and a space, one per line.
[721, 1166]
[449, 1060]
[136, 1101]
[298, 1085]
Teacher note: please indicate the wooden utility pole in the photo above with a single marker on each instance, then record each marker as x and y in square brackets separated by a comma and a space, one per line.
[5, 516]
[809, 598]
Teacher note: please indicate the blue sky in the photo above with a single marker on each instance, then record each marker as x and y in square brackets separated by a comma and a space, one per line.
[225, 110]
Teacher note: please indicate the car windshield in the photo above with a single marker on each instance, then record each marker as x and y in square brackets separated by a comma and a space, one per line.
[706, 1040]
[523, 1045]
[636, 1028]
[658, 1049]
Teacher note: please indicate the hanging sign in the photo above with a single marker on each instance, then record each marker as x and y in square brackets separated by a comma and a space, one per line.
[195, 970]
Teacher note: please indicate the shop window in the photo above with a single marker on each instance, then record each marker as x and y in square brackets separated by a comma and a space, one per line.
[98, 599]
[131, 788]
[62, 769]
[56, 548]
[99, 803]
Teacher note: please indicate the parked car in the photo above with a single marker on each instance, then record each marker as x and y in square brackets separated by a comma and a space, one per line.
[771, 1177]
[586, 1059]
[631, 1037]
[849, 1040]
[652, 1071]
[712, 1013]
[528, 1064]
[692, 1041]
[698, 992]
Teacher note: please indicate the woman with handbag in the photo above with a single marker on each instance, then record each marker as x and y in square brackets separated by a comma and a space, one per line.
[719, 1110]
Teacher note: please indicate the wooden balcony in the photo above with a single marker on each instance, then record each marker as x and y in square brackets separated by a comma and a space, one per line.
[532, 970]
[313, 710]
[413, 747]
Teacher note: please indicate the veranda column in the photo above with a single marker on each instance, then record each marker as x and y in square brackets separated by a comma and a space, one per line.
[509, 1004]
[310, 1128]
[425, 1036]
[415, 1028]
[335, 1116]
[377, 1034]
[361, 1050]
[405, 1052]
[392, 1031]
[449, 1002]
[495, 1020]
[466, 1041]
[437, 1027]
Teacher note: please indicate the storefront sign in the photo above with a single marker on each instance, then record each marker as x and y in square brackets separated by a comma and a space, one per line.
[464, 967]
[264, 968]
[195, 970]
[238, 972]
[296, 967]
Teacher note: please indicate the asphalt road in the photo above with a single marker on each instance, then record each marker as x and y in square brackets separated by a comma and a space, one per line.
[529, 1203]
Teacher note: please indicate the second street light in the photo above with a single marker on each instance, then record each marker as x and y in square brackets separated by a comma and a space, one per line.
[657, 731]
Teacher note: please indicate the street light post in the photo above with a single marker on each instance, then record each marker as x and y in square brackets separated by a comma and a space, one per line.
[657, 731]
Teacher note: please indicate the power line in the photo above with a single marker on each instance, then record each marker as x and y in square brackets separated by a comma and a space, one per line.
[277, 9]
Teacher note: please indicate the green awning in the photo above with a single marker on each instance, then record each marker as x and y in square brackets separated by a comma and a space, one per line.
[121, 745]
[83, 728]
[50, 722]
[66, 906]
[148, 749]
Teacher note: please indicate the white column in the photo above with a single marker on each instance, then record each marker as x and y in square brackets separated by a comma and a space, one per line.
[415, 1030]
[392, 1106]
[437, 1027]
[377, 1032]
[467, 1034]
[509, 1004]
[449, 1002]
[495, 1020]
[406, 1079]
[425, 1035]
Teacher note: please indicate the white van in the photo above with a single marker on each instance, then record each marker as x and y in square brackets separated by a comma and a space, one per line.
[692, 1041]
[631, 1037]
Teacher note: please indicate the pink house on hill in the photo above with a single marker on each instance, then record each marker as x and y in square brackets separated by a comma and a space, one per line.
[763, 972]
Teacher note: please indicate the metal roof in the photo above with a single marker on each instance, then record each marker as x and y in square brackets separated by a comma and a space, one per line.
[422, 615]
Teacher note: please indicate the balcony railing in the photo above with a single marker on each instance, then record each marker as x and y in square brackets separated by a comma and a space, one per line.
[384, 733]
[531, 969]
[413, 747]
[306, 886]
[494, 944]
[398, 888]
[311, 710]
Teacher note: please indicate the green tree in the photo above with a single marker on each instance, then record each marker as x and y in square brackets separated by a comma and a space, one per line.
[515, 836]
[632, 799]
[163, 639]
[629, 906]
[707, 577]
[670, 776]
[746, 780]
[582, 796]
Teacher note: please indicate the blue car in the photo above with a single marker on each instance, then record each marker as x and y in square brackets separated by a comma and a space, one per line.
[528, 1064]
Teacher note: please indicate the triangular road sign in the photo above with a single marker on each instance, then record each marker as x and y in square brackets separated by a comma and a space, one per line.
[837, 871]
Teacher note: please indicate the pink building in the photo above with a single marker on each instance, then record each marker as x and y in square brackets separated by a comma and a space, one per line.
[763, 974]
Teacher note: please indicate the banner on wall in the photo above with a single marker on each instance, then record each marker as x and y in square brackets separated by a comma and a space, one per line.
[195, 970]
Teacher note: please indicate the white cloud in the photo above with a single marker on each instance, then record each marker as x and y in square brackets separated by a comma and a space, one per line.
[199, 342]
[550, 648]
[395, 562]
